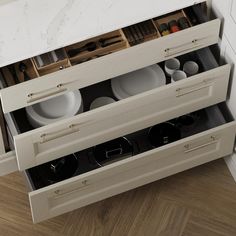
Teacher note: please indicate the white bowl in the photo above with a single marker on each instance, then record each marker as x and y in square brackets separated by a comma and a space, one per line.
[171, 66]
[55, 109]
[191, 68]
[101, 101]
[178, 75]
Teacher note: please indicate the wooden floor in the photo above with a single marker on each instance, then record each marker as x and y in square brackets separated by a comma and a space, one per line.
[201, 201]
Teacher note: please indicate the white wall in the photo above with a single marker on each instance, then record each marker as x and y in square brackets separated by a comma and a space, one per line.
[226, 10]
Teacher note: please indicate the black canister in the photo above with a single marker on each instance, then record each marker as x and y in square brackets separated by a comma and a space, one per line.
[163, 134]
[58, 170]
[183, 23]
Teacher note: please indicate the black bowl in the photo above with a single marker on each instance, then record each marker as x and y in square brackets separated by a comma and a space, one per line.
[58, 170]
[163, 134]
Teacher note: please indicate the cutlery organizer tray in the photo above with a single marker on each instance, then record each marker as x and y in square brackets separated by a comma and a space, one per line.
[51, 62]
[96, 47]
[212, 137]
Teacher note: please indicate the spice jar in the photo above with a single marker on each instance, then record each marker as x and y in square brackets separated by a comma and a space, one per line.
[183, 23]
[164, 30]
[173, 26]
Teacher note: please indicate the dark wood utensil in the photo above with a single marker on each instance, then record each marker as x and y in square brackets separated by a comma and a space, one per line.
[108, 43]
[108, 39]
[91, 46]
[129, 35]
[23, 69]
[138, 31]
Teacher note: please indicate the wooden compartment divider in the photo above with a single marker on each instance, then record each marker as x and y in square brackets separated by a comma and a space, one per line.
[60, 64]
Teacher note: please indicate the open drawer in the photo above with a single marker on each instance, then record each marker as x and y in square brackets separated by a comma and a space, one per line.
[78, 71]
[212, 137]
[40, 145]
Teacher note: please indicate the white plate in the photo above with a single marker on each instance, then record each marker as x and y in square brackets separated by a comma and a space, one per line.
[55, 109]
[101, 101]
[138, 81]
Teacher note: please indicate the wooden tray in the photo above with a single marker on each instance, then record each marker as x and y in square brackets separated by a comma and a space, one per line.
[100, 50]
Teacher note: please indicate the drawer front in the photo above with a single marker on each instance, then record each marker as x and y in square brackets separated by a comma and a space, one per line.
[8, 163]
[97, 70]
[85, 130]
[132, 172]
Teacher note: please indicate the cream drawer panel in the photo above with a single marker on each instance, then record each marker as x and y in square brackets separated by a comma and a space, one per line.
[132, 172]
[85, 130]
[109, 66]
[8, 163]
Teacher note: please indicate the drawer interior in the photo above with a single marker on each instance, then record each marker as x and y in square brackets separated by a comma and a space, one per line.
[87, 160]
[203, 57]
[99, 46]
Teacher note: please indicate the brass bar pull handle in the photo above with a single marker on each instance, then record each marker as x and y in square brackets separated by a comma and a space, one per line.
[194, 88]
[60, 88]
[183, 47]
[60, 193]
[188, 150]
[73, 128]
[32, 97]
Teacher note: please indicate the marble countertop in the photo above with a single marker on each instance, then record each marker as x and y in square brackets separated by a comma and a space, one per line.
[32, 27]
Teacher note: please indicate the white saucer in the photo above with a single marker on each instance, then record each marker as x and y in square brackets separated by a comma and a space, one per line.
[138, 81]
[55, 109]
[101, 101]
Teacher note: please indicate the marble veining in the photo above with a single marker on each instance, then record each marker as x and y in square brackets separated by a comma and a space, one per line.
[32, 27]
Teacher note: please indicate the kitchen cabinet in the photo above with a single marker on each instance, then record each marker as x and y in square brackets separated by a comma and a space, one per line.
[30, 148]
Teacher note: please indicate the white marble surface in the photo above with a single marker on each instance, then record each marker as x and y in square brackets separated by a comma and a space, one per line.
[32, 27]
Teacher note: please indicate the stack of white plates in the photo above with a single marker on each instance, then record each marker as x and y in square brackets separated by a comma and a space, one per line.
[55, 109]
[138, 81]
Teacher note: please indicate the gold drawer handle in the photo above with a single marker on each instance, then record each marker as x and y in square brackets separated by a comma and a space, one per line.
[183, 47]
[188, 149]
[60, 192]
[73, 128]
[46, 93]
[60, 88]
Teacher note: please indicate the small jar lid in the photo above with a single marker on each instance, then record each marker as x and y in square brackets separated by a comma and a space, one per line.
[163, 27]
[172, 23]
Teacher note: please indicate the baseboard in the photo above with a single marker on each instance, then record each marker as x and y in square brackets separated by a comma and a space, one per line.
[231, 163]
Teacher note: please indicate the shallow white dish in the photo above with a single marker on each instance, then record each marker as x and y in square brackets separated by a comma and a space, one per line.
[55, 109]
[138, 81]
[101, 101]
